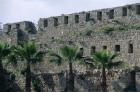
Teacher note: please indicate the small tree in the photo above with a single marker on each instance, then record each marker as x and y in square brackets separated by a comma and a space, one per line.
[104, 60]
[4, 52]
[67, 54]
[27, 52]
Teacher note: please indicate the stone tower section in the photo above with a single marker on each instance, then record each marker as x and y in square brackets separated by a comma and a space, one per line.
[83, 20]
[19, 32]
[115, 29]
[84, 28]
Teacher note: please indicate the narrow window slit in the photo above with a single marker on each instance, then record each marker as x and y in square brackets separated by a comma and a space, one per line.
[76, 18]
[93, 50]
[45, 23]
[66, 20]
[99, 15]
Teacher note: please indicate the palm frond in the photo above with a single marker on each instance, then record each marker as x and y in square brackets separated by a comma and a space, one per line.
[113, 56]
[99, 57]
[105, 58]
[12, 59]
[87, 61]
[38, 57]
[21, 52]
[114, 64]
[28, 52]
[55, 58]
[4, 50]
[69, 52]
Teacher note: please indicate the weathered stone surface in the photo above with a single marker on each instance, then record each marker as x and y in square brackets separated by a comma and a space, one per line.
[85, 31]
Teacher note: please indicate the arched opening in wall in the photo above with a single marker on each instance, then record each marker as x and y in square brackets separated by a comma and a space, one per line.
[55, 21]
[117, 48]
[111, 14]
[66, 20]
[130, 48]
[76, 18]
[104, 47]
[124, 11]
[93, 50]
[87, 17]
[99, 15]
[138, 9]
[45, 23]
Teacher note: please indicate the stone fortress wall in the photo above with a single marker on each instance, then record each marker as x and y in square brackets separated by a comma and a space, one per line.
[52, 32]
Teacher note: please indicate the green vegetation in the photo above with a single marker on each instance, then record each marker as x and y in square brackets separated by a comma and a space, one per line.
[116, 25]
[67, 54]
[81, 34]
[104, 60]
[36, 82]
[4, 52]
[30, 55]
[57, 40]
[107, 29]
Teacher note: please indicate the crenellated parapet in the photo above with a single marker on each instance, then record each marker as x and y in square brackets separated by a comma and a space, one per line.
[79, 19]
[19, 32]
[24, 25]
[95, 16]
[114, 29]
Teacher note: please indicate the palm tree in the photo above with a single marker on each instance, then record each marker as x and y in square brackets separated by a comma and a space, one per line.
[28, 52]
[4, 52]
[105, 60]
[69, 54]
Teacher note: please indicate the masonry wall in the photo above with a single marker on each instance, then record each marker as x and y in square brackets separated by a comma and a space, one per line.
[83, 24]
[61, 28]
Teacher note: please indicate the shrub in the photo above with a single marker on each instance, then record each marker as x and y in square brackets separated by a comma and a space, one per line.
[108, 29]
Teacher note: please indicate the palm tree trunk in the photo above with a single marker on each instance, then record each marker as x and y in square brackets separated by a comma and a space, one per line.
[71, 79]
[28, 78]
[104, 85]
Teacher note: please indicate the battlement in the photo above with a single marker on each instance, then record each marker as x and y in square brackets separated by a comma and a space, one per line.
[24, 25]
[94, 16]
[79, 18]
[115, 29]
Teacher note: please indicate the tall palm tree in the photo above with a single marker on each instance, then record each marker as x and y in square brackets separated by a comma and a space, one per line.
[28, 52]
[67, 54]
[4, 52]
[105, 60]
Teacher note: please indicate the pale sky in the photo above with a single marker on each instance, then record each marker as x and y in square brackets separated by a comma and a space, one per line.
[32, 10]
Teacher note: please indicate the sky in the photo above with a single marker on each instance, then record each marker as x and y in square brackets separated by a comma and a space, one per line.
[32, 10]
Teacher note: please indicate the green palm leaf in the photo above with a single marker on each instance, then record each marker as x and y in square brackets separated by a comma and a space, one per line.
[55, 58]
[114, 64]
[69, 52]
[4, 50]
